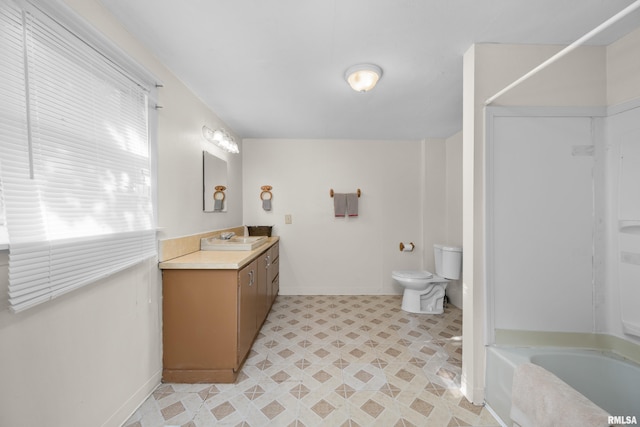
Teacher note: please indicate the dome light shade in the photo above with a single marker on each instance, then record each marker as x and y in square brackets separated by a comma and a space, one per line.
[363, 77]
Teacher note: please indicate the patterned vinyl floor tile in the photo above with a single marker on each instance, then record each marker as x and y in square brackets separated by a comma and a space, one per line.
[336, 361]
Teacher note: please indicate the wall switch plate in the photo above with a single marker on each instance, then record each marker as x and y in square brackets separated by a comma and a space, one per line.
[287, 219]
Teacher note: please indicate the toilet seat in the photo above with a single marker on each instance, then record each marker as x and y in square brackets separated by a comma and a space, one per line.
[412, 274]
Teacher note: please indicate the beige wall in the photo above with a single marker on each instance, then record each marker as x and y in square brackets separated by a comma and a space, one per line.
[623, 69]
[575, 80]
[434, 218]
[411, 192]
[89, 358]
[473, 359]
[321, 254]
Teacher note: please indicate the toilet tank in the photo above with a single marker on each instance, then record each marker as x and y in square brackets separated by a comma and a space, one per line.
[448, 261]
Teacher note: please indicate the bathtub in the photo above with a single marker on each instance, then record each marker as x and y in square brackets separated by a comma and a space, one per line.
[611, 382]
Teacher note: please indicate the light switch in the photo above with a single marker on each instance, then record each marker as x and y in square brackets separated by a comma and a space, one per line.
[287, 219]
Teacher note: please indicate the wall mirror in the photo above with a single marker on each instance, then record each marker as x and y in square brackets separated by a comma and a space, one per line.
[214, 174]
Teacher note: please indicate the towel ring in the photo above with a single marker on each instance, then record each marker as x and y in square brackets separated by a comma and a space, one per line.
[357, 192]
[266, 189]
[219, 190]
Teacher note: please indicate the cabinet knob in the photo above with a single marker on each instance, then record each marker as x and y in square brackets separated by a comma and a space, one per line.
[251, 278]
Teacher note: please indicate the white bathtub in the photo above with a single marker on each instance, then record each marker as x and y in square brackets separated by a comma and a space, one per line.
[607, 380]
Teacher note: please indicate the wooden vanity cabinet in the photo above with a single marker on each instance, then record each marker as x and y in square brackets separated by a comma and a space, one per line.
[212, 316]
[209, 323]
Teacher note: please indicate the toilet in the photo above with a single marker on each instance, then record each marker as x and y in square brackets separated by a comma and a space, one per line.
[423, 290]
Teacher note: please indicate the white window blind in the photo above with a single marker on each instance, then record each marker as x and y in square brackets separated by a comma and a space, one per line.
[13, 104]
[75, 160]
[4, 236]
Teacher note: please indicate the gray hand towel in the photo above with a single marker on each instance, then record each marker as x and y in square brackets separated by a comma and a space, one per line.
[217, 205]
[266, 204]
[352, 204]
[340, 204]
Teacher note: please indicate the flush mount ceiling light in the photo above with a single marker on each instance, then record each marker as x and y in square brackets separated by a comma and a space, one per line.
[363, 77]
[220, 138]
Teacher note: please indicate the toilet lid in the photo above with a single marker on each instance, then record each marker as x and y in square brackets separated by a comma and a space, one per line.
[413, 274]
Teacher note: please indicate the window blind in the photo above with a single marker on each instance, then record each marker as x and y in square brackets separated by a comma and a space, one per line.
[76, 166]
[12, 87]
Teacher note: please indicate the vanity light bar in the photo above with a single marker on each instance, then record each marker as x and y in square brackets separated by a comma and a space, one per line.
[220, 138]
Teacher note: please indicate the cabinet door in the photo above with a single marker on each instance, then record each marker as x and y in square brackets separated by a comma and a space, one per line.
[199, 310]
[274, 271]
[247, 299]
[263, 288]
[275, 286]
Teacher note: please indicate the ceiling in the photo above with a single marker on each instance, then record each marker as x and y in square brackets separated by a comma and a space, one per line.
[275, 68]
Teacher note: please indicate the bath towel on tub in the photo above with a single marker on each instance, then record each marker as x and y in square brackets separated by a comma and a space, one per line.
[540, 399]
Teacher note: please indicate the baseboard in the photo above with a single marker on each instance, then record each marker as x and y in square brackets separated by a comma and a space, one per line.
[123, 413]
[288, 291]
[475, 395]
[199, 376]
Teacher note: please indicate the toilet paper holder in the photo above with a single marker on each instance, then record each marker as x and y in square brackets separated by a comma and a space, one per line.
[407, 247]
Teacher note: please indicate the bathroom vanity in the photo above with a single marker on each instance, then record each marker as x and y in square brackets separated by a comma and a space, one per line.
[214, 303]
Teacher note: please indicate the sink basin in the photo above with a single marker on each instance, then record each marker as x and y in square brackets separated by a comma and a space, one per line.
[236, 243]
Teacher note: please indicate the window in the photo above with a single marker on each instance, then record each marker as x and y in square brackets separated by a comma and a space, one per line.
[75, 164]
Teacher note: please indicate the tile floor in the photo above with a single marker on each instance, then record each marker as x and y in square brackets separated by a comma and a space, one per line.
[333, 361]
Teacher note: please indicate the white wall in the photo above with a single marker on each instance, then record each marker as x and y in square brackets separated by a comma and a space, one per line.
[588, 77]
[596, 308]
[402, 185]
[621, 309]
[540, 202]
[91, 357]
[577, 80]
[623, 93]
[453, 193]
